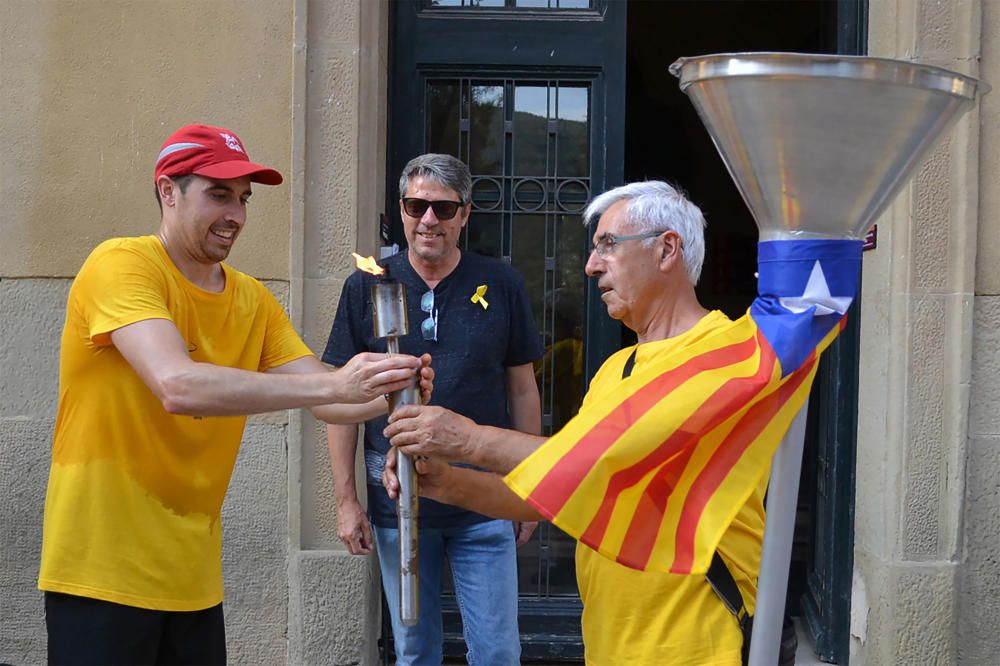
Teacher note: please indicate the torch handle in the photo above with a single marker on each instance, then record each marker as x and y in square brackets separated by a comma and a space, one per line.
[406, 509]
[409, 570]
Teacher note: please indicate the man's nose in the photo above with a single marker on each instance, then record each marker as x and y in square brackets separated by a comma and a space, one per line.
[595, 265]
[237, 214]
[429, 218]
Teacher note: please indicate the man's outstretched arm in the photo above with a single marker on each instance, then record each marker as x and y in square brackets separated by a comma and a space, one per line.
[442, 434]
[482, 492]
[157, 352]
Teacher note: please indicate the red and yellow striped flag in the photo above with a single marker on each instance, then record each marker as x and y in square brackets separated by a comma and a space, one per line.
[654, 478]
[653, 473]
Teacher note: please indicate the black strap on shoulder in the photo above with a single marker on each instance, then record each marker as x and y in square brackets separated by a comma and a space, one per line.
[629, 364]
[719, 576]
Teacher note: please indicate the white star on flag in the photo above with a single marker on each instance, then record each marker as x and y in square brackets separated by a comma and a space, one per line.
[817, 293]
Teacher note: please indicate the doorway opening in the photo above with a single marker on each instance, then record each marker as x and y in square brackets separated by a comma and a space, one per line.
[665, 140]
[503, 84]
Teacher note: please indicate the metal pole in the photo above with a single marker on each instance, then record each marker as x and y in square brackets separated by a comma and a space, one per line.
[772, 584]
[406, 511]
[389, 311]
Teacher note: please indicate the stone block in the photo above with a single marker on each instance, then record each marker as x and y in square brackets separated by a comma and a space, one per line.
[924, 440]
[255, 549]
[877, 483]
[32, 312]
[320, 301]
[335, 22]
[319, 509]
[910, 612]
[984, 418]
[947, 30]
[979, 578]
[24, 468]
[924, 630]
[988, 250]
[334, 613]
[933, 234]
[331, 231]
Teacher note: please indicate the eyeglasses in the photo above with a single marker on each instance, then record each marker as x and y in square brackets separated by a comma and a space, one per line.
[606, 242]
[443, 210]
[429, 326]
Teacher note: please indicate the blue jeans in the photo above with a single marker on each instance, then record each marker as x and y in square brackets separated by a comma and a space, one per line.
[484, 566]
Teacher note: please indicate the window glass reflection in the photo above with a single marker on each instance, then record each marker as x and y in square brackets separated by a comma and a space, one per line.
[482, 234]
[531, 112]
[486, 130]
[527, 255]
[574, 134]
[566, 350]
[443, 107]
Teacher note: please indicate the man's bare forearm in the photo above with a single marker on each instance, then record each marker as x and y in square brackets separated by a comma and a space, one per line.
[202, 389]
[342, 445]
[158, 354]
[485, 493]
[500, 450]
[337, 413]
[523, 400]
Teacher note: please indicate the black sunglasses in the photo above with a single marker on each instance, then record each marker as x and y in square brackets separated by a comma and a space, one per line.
[443, 210]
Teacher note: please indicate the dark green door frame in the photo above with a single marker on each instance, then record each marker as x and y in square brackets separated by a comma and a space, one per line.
[491, 42]
[433, 48]
[826, 604]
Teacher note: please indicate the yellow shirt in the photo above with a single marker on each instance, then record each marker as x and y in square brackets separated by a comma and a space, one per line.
[659, 619]
[135, 493]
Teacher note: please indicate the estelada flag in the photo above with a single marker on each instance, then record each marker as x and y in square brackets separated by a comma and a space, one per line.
[653, 478]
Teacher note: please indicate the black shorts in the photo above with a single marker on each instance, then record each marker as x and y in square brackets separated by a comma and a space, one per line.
[90, 631]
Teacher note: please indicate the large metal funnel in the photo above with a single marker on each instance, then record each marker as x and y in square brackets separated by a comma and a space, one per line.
[819, 144]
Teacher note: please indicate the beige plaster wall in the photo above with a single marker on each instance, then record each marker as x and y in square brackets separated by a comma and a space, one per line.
[90, 91]
[918, 294]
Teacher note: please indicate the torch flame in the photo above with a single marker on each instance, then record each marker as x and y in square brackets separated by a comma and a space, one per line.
[368, 264]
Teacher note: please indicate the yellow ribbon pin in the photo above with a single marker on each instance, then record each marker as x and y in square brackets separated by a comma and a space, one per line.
[478, 297]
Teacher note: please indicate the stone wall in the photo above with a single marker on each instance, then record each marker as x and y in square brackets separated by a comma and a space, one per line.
[979, 578]
[91, 90]
[919, 296]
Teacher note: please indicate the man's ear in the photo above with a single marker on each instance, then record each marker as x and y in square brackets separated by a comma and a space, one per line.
[670, 248]
[167, 189]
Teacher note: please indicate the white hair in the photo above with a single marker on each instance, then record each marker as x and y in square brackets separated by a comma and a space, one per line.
[656, 206]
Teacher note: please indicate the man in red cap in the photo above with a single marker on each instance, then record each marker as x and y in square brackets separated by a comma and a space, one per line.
[165, 349]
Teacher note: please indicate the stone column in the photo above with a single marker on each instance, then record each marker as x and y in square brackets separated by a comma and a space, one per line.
[339, 126]
[917, 325]
[979, 576]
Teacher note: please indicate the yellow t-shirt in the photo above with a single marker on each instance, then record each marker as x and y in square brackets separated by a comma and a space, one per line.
[135, 493]
[657, 619]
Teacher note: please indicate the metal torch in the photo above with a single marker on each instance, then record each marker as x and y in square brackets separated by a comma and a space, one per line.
[389, 314]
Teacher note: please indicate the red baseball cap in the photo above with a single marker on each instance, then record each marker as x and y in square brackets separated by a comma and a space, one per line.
[213, 152]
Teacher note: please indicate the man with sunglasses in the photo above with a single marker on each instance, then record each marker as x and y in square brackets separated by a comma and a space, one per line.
[475, 320]
[646, 259]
